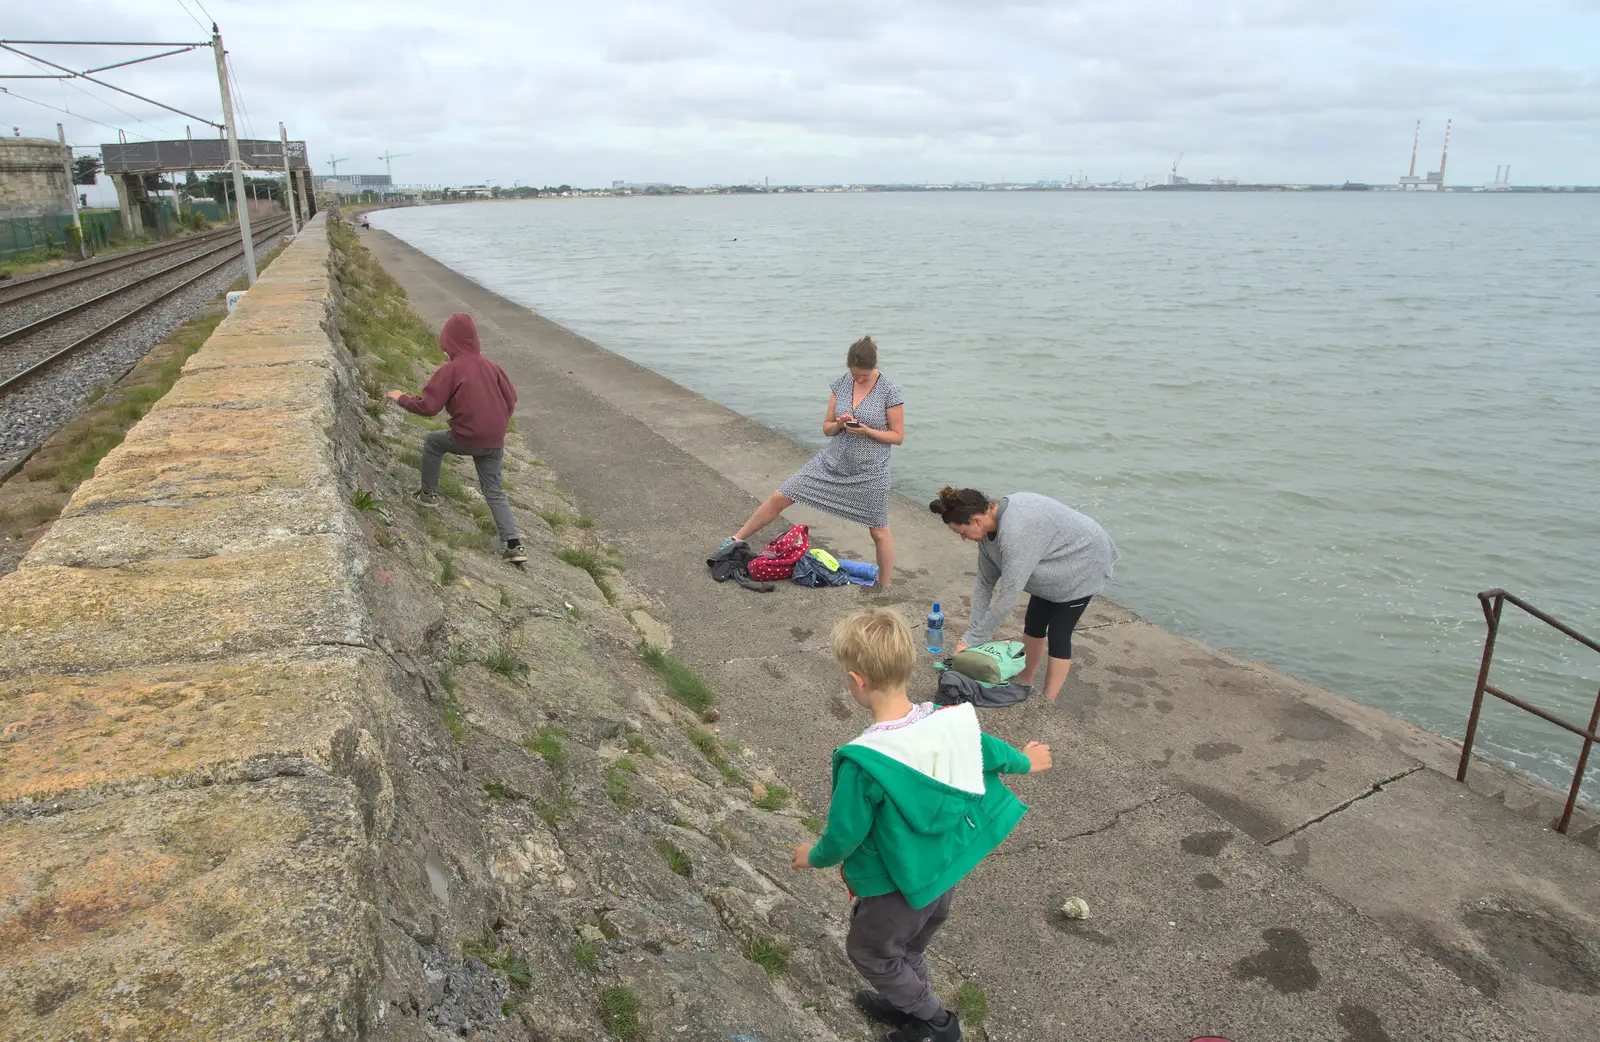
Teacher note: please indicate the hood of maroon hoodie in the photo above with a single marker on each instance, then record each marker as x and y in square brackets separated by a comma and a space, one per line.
[459, 336]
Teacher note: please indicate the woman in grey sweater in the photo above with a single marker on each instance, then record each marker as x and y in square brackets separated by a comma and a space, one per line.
[1031, 543]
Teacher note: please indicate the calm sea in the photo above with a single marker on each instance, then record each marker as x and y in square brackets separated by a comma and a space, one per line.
[1316, 425]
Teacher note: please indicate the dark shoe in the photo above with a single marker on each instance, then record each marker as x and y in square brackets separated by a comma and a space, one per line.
[515, 554]
[427, 499]
[878, 1008]
[924, 1031]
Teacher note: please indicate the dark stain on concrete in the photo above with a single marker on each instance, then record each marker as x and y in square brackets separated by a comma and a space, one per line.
[1209, 751]
[799, 633]
[838, 709]
[1146, 672]
[1085, 693]
[1538, 946]
[1360, 1024]
[1166, 756]
[1253, 821]
[1468, 968]
[1094, 638]
[1162, 705]
[1200, 663]
[1205, 844]
[1303, 723]
[1298, 771]
[773, 670]
[1083, 657]
[1207, 881]
[1122, 687]
[1300, 860]
[1285, 963]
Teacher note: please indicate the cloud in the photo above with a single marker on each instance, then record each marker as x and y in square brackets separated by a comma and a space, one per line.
[842, 90]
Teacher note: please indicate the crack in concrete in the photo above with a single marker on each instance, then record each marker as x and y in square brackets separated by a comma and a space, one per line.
[1105, 826]
[1377, 787]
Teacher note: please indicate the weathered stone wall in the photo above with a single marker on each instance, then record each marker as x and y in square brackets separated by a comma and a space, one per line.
[33, 178]
[186, 684]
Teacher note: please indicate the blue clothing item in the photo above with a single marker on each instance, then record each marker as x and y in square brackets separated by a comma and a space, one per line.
[810, 572]
[859, 572]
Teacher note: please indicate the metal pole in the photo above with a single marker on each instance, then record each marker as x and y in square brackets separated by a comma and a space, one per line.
[1492, 617]
[288, 182]
[233, 157]
[72, 194]
[1583, 765]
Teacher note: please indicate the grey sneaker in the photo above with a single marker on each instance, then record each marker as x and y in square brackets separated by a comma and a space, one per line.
[514, 553]
[427, 499]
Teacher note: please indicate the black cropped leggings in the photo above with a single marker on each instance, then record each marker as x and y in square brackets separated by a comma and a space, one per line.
[1056, 620]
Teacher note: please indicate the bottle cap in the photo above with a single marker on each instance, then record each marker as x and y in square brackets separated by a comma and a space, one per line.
[935, 605]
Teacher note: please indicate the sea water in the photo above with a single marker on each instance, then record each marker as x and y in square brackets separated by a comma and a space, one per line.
[1315, 424]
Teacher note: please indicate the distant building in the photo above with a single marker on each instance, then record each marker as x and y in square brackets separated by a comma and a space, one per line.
[350, 184]
[476, 191]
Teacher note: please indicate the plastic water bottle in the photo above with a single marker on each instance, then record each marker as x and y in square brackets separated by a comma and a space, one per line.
[935, 630]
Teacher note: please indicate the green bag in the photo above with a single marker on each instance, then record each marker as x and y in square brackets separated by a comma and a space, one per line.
[992, 664]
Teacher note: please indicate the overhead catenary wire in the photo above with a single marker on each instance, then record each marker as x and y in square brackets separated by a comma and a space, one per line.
[238, 94]
[56, 108]
[72, 82]
[191, 15]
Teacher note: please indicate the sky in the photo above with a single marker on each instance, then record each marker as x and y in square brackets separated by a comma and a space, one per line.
[854, 91]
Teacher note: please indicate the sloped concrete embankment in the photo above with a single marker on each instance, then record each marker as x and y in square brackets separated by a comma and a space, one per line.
[283, 758]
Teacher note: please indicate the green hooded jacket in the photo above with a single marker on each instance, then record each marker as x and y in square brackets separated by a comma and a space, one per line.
[917, 806]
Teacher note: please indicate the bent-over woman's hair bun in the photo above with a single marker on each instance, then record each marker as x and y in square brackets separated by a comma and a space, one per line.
[957, 506]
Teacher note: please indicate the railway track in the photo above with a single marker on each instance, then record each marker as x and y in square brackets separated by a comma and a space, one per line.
[30, 348]
[12, 290]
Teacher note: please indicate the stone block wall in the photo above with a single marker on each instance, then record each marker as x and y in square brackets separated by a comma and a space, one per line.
[187, 691]
[33, 178]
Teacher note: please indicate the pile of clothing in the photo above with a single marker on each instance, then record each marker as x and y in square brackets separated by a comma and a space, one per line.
[982, 675]
[790, 556]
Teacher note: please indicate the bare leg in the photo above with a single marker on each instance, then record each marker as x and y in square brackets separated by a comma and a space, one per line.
[884, 543]
[1055, 675]
[765, 514]
[1034, 646]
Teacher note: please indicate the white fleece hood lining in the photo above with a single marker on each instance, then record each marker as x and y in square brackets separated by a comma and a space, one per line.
[946, 746]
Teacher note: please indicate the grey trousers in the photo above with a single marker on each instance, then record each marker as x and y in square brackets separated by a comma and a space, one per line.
[487, 462]
[886, 942]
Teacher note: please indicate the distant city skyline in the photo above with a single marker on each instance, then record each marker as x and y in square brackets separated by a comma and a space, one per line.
[863, 91]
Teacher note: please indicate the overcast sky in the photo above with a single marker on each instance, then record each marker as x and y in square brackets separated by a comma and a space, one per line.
[818, 91]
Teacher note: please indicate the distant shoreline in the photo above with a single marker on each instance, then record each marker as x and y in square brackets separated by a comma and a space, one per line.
[451, 196]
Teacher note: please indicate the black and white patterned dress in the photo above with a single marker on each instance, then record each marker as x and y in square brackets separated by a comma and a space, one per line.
[850, 478]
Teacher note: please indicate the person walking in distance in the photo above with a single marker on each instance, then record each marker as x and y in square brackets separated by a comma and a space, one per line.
[917, 804]
[849, 478]
[1031, 543]
[479, 397]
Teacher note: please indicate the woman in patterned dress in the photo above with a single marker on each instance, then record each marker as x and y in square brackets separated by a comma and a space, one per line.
[849, 478]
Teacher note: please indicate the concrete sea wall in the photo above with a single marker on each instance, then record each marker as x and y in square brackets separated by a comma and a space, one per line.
[185, 682]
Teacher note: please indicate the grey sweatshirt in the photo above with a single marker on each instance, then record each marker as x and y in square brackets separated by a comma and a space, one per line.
[1041, 547]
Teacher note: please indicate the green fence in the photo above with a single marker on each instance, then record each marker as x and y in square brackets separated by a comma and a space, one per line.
[21, 234]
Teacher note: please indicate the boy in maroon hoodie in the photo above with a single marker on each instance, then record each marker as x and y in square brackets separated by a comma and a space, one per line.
[479, 398]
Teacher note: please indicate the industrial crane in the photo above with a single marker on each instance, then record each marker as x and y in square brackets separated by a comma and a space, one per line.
[1175, 163]
[388, 156]
[335, 164]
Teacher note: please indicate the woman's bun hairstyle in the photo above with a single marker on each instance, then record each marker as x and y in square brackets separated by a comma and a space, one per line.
[957, 506]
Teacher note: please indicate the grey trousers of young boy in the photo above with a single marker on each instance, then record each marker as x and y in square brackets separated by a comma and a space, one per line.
[487, 462]
[886, 942]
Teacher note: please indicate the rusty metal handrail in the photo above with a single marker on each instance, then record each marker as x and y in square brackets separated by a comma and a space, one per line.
[1491, 615]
